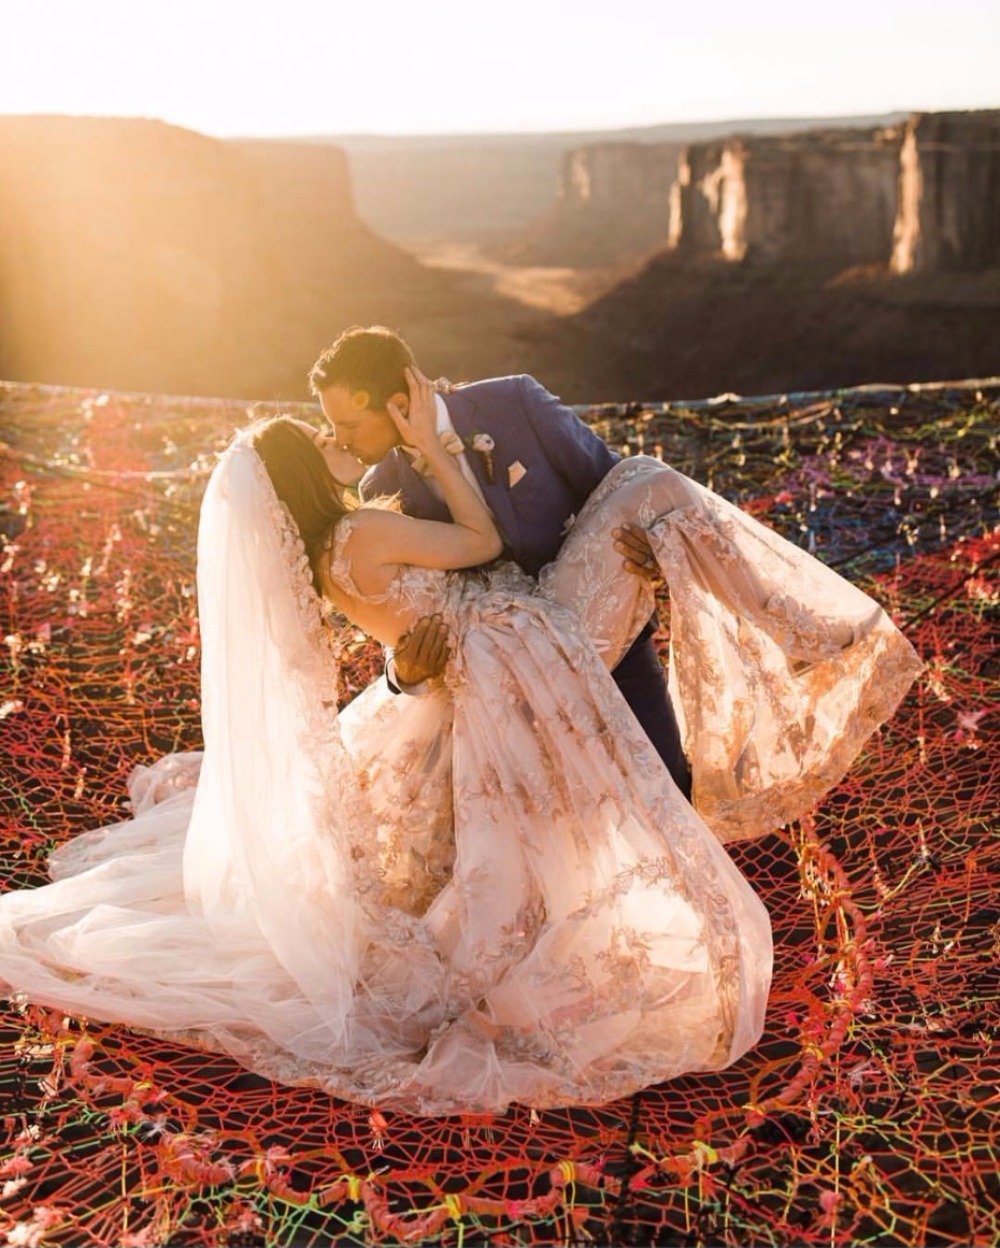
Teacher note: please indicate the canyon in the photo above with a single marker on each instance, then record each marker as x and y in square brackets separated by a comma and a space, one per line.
[798, 261]
[921, 195]
[140, 256]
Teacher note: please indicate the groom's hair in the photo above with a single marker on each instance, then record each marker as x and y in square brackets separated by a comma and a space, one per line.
[370, 358]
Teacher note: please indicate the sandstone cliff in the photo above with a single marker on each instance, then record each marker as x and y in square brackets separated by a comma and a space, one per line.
[826, 198]
[949, 193]
[489, 189]
[116, 261]
[612, 207]
[920, 196]
[139, 256]
[142, 256]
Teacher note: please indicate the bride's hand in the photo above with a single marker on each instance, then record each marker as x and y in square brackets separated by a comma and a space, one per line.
[418, 427]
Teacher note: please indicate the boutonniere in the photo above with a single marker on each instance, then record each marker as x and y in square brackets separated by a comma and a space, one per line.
[483, 445]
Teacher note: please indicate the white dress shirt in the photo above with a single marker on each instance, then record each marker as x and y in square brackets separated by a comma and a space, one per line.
[444, 428]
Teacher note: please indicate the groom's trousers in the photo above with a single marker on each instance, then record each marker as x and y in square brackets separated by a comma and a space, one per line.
[640, 678]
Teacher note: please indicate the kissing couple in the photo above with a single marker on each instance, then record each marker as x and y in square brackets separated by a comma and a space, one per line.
[497, 875]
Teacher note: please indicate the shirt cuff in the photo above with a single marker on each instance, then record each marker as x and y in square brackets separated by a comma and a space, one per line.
[397, 686]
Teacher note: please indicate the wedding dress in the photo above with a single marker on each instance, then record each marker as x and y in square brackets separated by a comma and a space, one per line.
[493, 893]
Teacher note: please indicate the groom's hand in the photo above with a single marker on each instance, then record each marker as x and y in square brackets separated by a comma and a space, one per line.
[422, 652]
[632, 543]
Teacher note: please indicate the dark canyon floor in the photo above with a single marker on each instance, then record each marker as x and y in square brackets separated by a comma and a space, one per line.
[674, 329]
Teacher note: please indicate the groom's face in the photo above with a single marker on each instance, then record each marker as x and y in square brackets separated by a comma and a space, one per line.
[369, 434]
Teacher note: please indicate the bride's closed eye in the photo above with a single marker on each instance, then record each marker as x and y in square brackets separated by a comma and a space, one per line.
[344, 467]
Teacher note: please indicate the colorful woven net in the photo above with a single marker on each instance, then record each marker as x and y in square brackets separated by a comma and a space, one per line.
[868, 1114]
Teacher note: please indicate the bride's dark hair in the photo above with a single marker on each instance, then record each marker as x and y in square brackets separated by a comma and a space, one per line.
[302, 481]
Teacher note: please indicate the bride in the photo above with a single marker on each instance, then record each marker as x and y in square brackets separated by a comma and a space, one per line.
[495, 892]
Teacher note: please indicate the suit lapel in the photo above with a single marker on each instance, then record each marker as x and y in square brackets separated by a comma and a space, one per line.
[462, 412]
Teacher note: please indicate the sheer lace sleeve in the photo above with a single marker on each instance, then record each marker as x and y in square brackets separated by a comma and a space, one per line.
[612, 605]
[338, 565]
[780, 669]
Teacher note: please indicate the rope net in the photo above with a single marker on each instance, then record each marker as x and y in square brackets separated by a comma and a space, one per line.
[867, 1113]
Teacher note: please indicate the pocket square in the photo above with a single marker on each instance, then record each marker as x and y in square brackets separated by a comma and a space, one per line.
[514, 473]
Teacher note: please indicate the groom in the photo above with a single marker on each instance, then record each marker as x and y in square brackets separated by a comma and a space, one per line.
[533, 461]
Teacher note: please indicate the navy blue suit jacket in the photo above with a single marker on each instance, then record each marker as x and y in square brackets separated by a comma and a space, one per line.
[562, 460]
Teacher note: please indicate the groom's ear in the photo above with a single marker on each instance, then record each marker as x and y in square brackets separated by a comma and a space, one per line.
[400, 399]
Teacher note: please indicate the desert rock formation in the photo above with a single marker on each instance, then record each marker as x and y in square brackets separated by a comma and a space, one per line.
[489, 190]
[949, 193]
[612, 207]
[115, 260]
[776, 274]
[921, 194]
[826, 198]
[142, 256]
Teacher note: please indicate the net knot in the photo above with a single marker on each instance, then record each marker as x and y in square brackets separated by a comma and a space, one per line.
[568, 1171]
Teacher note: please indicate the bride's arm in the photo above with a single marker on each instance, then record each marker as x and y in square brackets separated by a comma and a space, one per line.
[392, 538]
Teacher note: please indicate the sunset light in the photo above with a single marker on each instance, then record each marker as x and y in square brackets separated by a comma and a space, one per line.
[499, 567]
[327, 67]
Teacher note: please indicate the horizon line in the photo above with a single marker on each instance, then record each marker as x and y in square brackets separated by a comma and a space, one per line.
[554, 133]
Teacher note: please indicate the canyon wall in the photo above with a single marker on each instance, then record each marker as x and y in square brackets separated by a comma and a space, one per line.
[612, 207]
[128, 250]
[825, 198]
[783, 261]
[919, 197]
[142, 256]
[491, 189]
[949, 193]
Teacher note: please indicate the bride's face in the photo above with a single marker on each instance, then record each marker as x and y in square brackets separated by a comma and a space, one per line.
[344, 467]
[367, 433]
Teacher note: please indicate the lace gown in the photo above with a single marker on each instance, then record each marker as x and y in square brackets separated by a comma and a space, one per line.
[510, 901]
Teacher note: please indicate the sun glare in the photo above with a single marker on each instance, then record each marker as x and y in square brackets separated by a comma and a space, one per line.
[321, 66]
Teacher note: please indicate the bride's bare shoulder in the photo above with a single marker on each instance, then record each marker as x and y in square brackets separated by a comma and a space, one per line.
[351, 553]
[369, 527]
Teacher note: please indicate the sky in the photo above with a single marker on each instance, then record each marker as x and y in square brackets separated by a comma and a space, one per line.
[308, 67]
